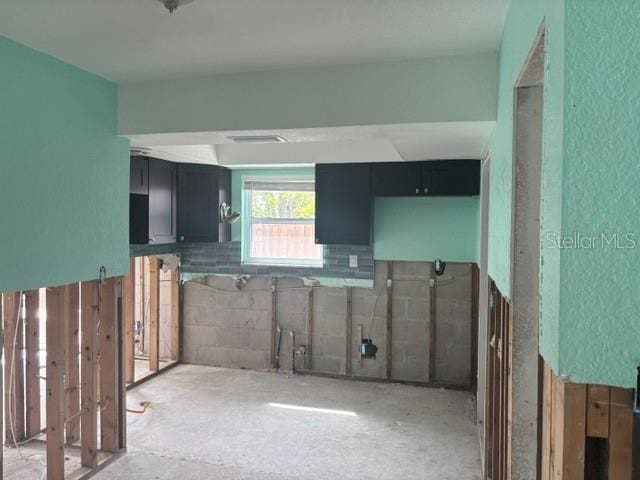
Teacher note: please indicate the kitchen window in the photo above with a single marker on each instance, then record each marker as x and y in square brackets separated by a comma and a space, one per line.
[279, 223]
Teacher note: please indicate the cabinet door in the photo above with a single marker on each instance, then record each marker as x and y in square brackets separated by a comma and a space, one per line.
[343, 204]
[162, 201]
[198, 207]
[451, 177]
[139, 176]
[397, 179]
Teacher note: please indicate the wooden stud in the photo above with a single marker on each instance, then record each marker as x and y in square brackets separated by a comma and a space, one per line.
[109, 394]
[57, 303]
[598, 411]
[473, 361]
[360, 337]
[72, 368]
[121, 384]
[154, 313]
[570, 432]
[32, 363]
[431, 375]
[508, 387]
[489, 390]
[389, 362]
[2, 310]
[175, 314]
[128, 302]
[309, 354]
[621, 434]
[497, 398]
[547, 422]
[349, 330]
[14, 369]
[274, 326]
[89, 366]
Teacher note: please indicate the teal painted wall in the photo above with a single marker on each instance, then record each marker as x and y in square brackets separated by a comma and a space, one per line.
[457, 88]
[64, 182]
[600, 287]
[411, 229]
[589, 298]
[523, 22]
[423, 229]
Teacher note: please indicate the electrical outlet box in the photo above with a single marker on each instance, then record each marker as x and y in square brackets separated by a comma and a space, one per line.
[353, 261]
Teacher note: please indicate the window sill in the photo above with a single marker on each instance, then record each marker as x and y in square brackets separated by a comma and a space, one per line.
[281, 265]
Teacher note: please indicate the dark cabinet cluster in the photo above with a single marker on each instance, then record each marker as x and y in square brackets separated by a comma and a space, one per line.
[344, 192]
[172, 202]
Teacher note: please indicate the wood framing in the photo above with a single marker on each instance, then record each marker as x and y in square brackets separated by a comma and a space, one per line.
[274, 325]
[587, 430]
[128, 305]
[498, 406]
[154, 314]
[431, 374]
[89, 368]
[109, 394]
[2, 313]
[57, 304]
[14, 369]
[309, 354]
[389, 336]
[475, 312]
[349, 330]
[72, 367]
[32, 363]
[175, 314]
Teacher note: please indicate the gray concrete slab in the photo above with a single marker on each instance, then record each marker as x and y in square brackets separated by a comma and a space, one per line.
[207, 422]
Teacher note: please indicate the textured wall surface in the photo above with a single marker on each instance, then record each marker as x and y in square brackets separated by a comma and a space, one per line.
[600, 291]
[445, 89]
[227, 327]
[64, 182]
[588, 296]
[426, 228]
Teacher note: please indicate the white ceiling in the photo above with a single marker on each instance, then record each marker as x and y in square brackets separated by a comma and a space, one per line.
[133, 40]
[371, 143]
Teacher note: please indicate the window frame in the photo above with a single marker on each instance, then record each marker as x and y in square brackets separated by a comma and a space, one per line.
[247, 222]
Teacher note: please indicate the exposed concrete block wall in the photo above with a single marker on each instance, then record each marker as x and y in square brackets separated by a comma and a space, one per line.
[227, 327]
[453, 332]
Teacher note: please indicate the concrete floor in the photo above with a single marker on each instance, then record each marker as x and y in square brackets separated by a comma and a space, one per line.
[207, 422]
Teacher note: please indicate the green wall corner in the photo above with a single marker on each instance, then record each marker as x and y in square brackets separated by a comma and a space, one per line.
[64, 184]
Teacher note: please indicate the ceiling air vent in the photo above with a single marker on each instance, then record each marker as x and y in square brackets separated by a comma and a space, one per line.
[257, 139]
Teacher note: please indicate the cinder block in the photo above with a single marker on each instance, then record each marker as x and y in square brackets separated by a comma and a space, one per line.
[418, 309]
[327, 364]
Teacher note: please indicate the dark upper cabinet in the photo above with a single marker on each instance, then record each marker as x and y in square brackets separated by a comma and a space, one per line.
[152, 201]
[139, 181]
[451, 177]
[396, 179]
[343, 204]
[201, 190]
[162, 201]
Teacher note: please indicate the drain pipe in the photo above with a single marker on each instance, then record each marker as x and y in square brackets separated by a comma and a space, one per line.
[293, 351]
[279, 331]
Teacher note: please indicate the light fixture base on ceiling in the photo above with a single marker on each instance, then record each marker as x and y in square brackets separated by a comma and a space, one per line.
[172, 5]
